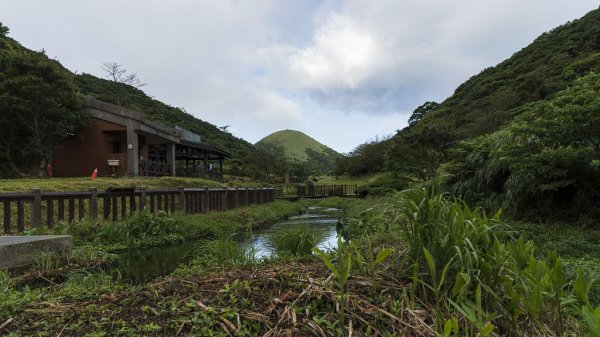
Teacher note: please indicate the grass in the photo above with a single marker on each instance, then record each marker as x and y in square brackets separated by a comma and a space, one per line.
[85, 183]
[415, 264]
[577, 244]
[144, 229]
[346, 180]
[294, 144]
[297, 241]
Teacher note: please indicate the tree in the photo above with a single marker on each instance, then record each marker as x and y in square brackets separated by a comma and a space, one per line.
[418, 151]
[366, 158]
[421, 112]
[546, 159]
[39, 104]
[117, 73]
[3, 30]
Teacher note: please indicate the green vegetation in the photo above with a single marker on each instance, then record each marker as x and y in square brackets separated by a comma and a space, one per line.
[521, 136]
[420, 263]
[366, 159]
[84, 184]
[39, 104]
[29, 80]
[294, 144]
[298, 241]
[546, 160]
[303, 155]
[383, 184]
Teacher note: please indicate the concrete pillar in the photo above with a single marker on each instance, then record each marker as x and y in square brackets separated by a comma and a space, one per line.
[133, 155]
[171, 157]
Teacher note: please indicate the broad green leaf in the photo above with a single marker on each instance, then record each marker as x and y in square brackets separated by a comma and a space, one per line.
[326, 260]
[383, 254]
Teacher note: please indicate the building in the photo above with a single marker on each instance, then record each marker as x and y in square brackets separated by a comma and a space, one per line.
[121, 141]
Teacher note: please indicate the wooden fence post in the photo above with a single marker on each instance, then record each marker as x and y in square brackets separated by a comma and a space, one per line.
[224, 200]
[182, 198]
[236, 198]
[94, 203]
[36, 216]
[204, 201]
[142, 197]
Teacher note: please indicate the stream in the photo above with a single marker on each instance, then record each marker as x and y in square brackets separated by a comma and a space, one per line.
[141, 265]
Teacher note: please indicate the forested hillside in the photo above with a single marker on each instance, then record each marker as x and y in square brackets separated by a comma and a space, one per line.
[548, 75]
[489, 100]
[39, 103]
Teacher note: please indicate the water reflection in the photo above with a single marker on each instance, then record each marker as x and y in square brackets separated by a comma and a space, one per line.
[321, 221]
[142, 265]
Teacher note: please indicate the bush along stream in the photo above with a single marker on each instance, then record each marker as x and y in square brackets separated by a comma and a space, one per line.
[412, 264]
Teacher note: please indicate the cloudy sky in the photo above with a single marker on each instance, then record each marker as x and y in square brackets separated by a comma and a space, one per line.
[341, 71]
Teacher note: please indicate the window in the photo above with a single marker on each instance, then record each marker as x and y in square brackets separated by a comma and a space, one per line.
[116, 147]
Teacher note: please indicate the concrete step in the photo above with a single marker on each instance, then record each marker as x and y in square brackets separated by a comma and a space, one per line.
[19, 251]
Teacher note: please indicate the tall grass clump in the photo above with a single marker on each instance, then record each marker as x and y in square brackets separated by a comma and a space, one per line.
[222, 251]
[12, 299]
[82, 285]
[297, 241]
[467, 268]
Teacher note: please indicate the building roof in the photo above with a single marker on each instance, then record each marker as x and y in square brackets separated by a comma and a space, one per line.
[124, 116]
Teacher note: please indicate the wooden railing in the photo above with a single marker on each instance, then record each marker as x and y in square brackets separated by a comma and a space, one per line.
[199, 172]
[150, 168]
[39, 208]
[317, 191]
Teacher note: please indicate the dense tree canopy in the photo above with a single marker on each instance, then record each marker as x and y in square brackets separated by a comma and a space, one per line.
[547, 158]
[366, 158]
[38, 104]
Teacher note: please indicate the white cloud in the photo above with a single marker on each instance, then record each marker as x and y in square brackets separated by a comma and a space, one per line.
[342, 56]
[260, 66]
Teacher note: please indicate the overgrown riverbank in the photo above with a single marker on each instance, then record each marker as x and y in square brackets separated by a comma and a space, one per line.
[412, 264]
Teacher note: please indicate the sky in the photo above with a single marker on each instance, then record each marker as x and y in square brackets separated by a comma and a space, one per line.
[343, 72]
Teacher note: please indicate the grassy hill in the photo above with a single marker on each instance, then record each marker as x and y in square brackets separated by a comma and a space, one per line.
[296, 146]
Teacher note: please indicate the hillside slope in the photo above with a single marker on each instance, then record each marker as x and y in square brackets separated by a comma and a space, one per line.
[488, 101]
[549, 64]
[296, 146]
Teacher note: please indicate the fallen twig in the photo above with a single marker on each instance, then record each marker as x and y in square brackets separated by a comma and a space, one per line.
[7, 322]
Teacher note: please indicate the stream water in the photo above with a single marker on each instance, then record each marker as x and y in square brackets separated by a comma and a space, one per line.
[142, 265]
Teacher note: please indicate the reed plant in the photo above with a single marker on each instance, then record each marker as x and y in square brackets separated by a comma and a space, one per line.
[296, 241]
[477, 278]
